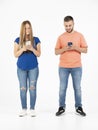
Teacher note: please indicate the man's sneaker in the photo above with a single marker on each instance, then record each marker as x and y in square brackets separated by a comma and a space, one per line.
[80, 111]
[32, 113]
[60, 111]
[23, 113]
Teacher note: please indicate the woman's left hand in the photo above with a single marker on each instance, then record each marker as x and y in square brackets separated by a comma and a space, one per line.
[29, 47]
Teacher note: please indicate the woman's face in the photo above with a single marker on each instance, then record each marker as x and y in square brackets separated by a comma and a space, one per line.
[27, 29]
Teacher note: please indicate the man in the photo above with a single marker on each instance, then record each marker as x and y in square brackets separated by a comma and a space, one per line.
[69, 46]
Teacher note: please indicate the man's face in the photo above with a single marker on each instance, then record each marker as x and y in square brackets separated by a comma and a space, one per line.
[69, 26]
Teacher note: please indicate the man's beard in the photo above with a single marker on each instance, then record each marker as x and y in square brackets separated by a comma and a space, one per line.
[69, 31]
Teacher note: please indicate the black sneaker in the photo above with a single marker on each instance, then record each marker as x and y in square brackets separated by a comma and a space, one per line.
[80, 111]
[60, 111]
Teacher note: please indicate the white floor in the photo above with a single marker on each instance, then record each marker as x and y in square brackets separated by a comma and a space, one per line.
[46, 120]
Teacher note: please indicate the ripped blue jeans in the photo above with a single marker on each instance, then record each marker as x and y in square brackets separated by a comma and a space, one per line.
[28, 80]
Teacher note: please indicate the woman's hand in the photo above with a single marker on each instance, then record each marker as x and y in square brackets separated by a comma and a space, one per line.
[29, 47]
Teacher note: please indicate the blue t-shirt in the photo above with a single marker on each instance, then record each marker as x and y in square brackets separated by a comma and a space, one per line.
[27, 61]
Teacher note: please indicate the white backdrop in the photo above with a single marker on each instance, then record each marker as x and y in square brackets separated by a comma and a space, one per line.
[47, 22]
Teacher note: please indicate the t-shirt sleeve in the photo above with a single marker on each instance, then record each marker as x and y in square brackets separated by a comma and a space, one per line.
[16, 40]
[58, 44]
[83, 41]
[37, 41]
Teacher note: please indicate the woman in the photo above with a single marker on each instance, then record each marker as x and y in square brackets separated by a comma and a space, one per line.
[27, 49]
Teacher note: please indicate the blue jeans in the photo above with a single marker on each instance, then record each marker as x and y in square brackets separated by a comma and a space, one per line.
[28, 79]
[76, 74]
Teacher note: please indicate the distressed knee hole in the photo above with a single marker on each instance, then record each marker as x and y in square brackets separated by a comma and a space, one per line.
[32, 88]
[22, 88]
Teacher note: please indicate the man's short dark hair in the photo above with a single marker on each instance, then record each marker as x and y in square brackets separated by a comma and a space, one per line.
[68, 18]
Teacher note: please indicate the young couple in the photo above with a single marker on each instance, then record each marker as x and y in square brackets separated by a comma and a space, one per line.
[69, 46]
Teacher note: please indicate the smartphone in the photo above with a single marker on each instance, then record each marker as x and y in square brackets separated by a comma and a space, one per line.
[70, 44]
[28, 43]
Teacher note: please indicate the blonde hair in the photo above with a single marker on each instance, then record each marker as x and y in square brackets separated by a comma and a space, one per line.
[23, 35]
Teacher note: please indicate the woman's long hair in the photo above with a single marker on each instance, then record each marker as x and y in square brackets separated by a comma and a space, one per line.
[23, 33]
